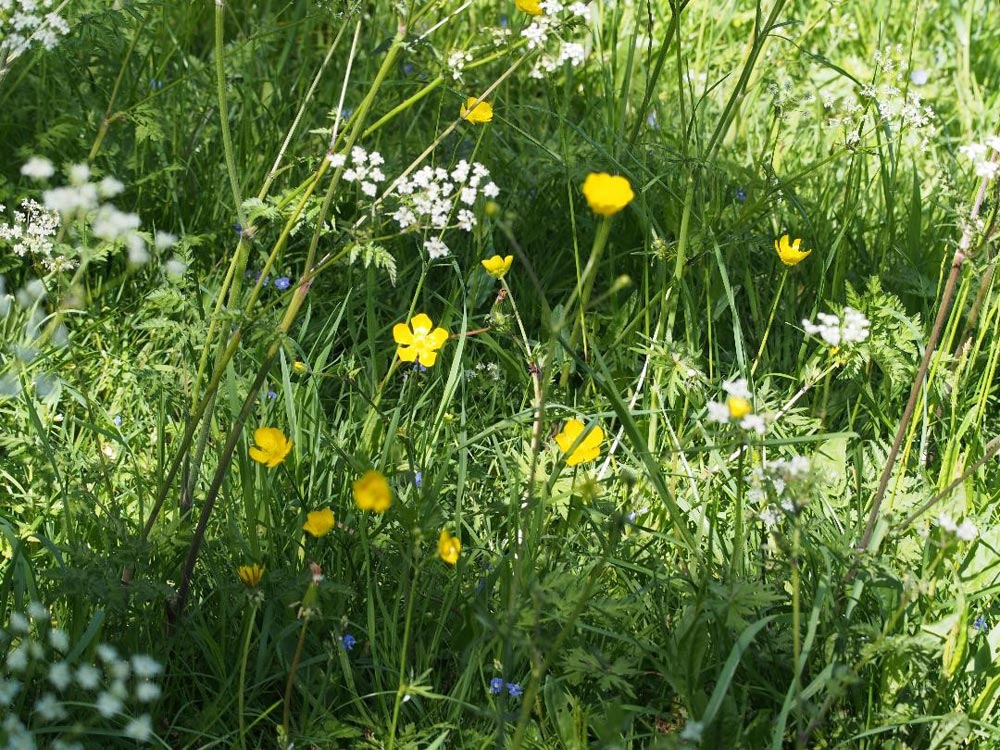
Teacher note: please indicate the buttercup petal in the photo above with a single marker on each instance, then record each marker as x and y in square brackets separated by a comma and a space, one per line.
[594, 438]
[436, 338]
[428, 358]
[569, 433]
[421, 323]
[264, 437]
[319, 522]
[258, 455]
[402, 334]
[407, 353]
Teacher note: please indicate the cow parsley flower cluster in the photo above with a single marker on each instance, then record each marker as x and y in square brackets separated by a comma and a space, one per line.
[365, 169]
[979, 155]
[26, 23]
[570, 52]
[779, 488]
[44, 691]
[965, 531]
[429, 198]
[30, 235]
[457, 60]
[836, 331]
[88, 201]
[542, 26]
[499, 35]
[897, 106]
[737, 408]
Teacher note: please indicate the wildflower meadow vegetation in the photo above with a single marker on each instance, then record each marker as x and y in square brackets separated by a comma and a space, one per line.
[499, 374]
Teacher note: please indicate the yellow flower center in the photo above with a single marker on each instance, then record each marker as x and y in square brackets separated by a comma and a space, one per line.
[738, 407]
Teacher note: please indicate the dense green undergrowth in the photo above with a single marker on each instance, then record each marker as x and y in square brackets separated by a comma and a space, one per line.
[642, 490]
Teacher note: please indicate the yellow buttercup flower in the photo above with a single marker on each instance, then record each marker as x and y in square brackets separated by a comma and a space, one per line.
[588, 449]
[319, 522]
[417, 341]
[250, 575]
[496, 266]
[529, 6]
[789, 253]
[299, 366]
[449, 547]
[271, 446]
[371, 492]
[738, 407]
[477, 113]
[607, 194]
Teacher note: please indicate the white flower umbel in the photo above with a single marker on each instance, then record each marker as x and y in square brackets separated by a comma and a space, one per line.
[28, 23]
[737, 408]
[37, 167]
[965, 531]
[111, 225]
[852, 329]
[60, 675]
[537, 32]
[365, 169]
[984, 163]
[82, 200]
[108, 705]
[145, 666]
[737, 388]
[457, 61]
[31, 231]
[105, 695]
[431, 195]
[436, 248]
[140, 729]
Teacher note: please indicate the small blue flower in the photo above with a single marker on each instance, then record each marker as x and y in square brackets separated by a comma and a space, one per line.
[282, 283]
[417, 367]
[980, 623]
[348, 641]
[272, 395]
[408, 69]
[741, 194]
[651, 121]
[238, 228]
[514, 690]
[155, 84]
[118, 420]
[504, 22]
[496, 685]
[418, 479]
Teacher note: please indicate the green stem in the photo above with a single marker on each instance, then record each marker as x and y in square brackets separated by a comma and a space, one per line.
[241, 695]
[590, 270]
[681, 260]
[286, 717]
[109, 118]
[220, 83]
[736, 561]
[796, 626]
[732, 106]
[402, 687]
[584, 289]
[770, 322]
